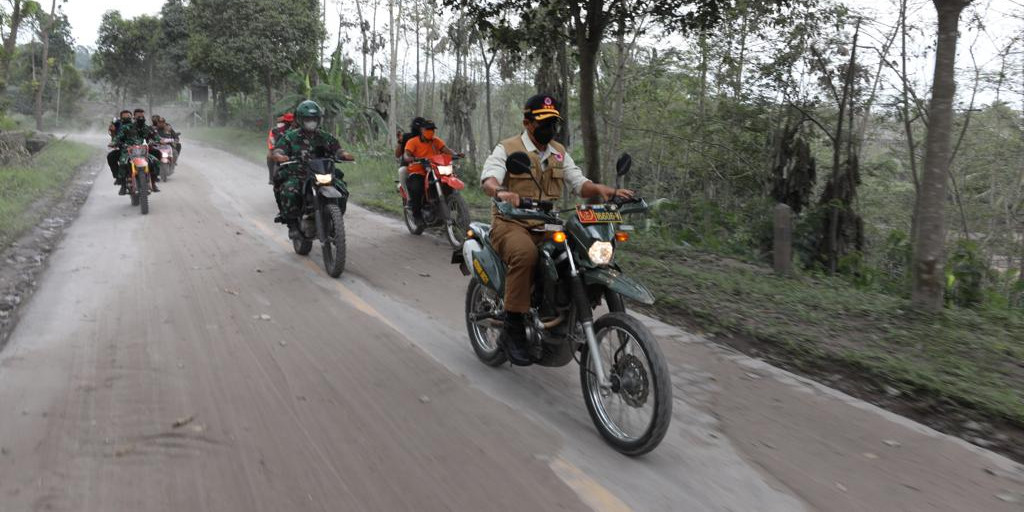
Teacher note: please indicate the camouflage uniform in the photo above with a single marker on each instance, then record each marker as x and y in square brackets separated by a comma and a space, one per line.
[130, 134]
[288, 182]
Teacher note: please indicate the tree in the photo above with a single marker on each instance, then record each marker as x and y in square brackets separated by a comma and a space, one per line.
[930, 234]
[46, 26]
[20, 11]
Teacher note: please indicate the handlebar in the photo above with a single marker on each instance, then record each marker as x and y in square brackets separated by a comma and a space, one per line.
[335, 160]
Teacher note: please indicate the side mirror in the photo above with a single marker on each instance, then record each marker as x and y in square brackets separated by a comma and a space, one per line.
[623, 165]
[518, 163]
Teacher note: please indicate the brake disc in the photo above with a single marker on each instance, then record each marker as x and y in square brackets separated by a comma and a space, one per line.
[633, 381]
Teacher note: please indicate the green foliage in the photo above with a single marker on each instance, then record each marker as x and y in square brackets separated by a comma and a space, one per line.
[44, 176]
[965, 273]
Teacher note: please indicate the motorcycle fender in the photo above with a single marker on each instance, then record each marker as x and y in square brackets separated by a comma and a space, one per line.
[330, 192]
[619, 283]
[485, 265]
[140, 163]
[453, 182]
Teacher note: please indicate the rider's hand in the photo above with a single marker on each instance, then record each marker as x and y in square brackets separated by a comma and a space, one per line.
[508, 197]
[607, 193]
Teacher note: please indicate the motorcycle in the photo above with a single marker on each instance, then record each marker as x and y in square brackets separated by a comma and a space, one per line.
[625, 379]
[168, 157]
[138, 176]
[324, 200]
[443, 205]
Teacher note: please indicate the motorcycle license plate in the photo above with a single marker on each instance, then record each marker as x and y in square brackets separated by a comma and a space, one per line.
[598, 216]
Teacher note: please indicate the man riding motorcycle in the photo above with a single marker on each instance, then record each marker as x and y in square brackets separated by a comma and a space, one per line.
[284, 123]
[131, 134]
[165, 131]
[307, 141]
[515, 240]
[425, 145]
[124, 118]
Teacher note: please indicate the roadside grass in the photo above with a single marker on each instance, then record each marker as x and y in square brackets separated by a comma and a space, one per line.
[815, 325]
[43, 176]
[972, 357]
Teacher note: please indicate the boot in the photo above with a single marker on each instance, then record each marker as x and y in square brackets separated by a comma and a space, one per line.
[513, 339]
[124, 189]
[153, 184]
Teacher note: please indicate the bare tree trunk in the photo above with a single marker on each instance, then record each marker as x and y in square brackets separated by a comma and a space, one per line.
[365, 49]
[269, 90]
[393, 77]
[588, 50]
[45, 65]
[837, 151]
[487, 91]
[930, 240]
[419, 100]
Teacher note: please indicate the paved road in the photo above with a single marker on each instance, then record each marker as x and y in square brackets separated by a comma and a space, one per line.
[142, 377]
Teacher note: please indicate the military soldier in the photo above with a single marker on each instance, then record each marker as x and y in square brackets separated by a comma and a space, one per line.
[515, 240]
[306, 141]
[132, 134]
[124, 118]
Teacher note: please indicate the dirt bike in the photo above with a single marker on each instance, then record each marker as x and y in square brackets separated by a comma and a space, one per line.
[137, 177]
[625, 378]
[443, 205]
[168, 157]
[324, 200]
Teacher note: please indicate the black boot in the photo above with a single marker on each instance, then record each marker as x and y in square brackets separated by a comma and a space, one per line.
[513, 339]
[124, 189]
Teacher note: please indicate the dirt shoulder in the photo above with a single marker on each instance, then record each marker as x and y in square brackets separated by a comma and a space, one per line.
[25, 253]
[960, 372]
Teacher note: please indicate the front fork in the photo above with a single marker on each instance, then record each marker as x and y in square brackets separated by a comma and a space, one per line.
[586, 316]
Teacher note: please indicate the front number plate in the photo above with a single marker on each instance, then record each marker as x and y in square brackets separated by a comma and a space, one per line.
[590, 216]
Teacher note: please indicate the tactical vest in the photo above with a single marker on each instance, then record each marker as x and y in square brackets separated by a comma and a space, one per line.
[550, 180]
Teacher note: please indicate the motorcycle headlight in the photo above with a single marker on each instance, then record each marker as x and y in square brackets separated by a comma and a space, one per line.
[444, 170]
[324, 179]
[601, 253]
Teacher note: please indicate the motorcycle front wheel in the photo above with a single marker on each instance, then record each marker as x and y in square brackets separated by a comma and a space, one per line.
[633, 415]
[457, 220]
[142, 186]
[333, 247]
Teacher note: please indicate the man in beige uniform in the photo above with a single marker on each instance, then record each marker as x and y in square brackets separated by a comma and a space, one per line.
[515, 240]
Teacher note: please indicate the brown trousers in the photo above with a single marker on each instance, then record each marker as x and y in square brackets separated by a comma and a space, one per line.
[517, 247]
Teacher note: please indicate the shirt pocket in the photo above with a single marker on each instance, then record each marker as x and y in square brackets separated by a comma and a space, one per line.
[556, 177]
[522, 184]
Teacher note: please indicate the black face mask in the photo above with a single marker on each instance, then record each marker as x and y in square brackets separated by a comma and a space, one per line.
[140, 121]
[126, 120]
[544, 133]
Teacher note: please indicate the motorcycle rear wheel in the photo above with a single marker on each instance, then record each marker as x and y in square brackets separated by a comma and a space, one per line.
[483, 338]
[409, 223]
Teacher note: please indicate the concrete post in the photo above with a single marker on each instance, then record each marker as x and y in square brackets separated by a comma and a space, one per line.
[782, 247]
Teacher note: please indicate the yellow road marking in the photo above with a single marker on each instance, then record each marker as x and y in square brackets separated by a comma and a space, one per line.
[346, 294]
[595, 495]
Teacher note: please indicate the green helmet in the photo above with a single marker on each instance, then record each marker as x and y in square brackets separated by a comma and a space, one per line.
[309, 112]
